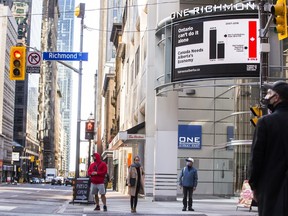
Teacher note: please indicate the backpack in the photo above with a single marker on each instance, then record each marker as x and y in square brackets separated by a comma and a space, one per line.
[107, 178]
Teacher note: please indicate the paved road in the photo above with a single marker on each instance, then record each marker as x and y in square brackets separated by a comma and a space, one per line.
[44, 200]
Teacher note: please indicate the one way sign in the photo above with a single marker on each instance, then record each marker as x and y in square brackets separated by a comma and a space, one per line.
[33, 62]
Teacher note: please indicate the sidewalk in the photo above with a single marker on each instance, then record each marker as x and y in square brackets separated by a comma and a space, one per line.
[119, 204]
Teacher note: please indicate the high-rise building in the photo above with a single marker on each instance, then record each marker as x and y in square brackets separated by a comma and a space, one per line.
[8, 36]
[65, 44]
[49, 127]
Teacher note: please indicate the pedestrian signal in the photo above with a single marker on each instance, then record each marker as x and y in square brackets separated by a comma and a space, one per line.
[279, 10]
[17, 63]
[89, 130]
[257, 112]
[89, 126]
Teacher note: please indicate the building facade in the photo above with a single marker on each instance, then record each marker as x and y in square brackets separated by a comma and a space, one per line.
[7, 94]
[180, 93]
[48, 112]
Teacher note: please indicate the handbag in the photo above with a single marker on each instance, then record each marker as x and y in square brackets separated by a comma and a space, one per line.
[132, 182]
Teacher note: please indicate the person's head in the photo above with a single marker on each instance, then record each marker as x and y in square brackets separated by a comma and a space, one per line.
[137, 159]
[190, 161]
[96, 157]
[276, 93]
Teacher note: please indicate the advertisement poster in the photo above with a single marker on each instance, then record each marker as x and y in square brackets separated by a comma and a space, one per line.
[216, 48]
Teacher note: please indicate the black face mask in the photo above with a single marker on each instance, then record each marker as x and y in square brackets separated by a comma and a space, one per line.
[266, 102]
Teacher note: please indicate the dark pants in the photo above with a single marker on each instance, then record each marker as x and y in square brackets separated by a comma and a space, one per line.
[187, 191]
[134, 199]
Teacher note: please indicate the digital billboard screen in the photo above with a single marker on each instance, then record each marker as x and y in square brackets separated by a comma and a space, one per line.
[222, 47]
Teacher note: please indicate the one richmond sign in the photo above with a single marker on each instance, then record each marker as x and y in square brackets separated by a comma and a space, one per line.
[214, 8]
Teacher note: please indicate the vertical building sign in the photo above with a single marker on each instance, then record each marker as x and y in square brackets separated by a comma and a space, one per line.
[20, 11]
[189, 136]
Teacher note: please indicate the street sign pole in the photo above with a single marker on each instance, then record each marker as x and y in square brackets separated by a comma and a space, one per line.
[79, 96]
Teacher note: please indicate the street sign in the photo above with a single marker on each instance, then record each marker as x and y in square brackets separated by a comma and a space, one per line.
[15, 156]
[33, 62]
[65, 56]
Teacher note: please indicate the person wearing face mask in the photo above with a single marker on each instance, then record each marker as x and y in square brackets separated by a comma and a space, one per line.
[135, 182]
[188, 180]
[268, 168]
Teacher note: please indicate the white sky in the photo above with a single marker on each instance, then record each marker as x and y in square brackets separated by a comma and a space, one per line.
[90, 45]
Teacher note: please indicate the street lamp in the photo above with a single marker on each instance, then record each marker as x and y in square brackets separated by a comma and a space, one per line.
[79, 13]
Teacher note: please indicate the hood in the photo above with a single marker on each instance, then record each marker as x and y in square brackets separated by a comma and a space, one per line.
[97, 156]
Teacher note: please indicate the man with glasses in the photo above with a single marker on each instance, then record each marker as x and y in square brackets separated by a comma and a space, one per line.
[269, 154]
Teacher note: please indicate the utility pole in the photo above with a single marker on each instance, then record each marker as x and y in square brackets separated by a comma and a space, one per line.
[79, 12]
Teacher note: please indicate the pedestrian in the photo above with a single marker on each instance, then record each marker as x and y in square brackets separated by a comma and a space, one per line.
[188, 180]
[97, 171]
[135, 182]
[268, 168]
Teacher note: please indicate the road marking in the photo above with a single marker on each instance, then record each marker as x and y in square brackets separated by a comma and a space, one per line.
[7, 208]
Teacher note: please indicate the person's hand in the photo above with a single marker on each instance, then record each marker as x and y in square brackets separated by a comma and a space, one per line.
[94, 173]
[194, 188]
[180, 187]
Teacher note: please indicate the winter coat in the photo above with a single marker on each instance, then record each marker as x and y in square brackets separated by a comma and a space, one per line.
[269, 162]
[188, 177]
[132, 173]
[100, 167]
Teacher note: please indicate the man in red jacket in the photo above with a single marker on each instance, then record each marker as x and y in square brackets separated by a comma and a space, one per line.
[97, 171]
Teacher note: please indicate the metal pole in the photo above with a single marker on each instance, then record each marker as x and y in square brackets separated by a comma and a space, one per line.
[79, 103]
[263, 18]
[89, 153]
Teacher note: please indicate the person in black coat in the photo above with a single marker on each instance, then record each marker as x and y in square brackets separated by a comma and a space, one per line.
[269, 154]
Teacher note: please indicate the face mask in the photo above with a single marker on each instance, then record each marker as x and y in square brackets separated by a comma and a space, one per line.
[266, 102]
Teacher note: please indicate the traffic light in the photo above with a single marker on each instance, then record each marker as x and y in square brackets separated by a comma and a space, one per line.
[32, 158]
[80, 10]
[279, 10]
[17, 63]
[89, 130]
[257, 112]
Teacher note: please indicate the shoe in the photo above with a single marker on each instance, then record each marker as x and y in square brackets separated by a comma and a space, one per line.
[133, 210]
[104, 208]
[184, 209]
[97, 208]
[190, 209]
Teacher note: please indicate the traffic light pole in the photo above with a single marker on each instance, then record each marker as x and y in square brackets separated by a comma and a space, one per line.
[79, 102]
[264, 42]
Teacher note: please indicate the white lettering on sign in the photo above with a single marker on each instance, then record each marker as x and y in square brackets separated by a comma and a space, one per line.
[193, 140]
[63, 55]
[214, 8]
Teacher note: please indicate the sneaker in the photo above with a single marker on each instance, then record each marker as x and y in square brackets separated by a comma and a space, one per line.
[104, 208]
[97, 208]
[190, 209]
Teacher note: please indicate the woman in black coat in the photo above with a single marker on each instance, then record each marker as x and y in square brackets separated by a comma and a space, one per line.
[269, 154]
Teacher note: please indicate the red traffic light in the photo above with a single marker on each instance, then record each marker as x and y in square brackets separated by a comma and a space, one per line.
[17, 54]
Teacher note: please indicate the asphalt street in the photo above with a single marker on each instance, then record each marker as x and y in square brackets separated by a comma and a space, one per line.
[44, 200]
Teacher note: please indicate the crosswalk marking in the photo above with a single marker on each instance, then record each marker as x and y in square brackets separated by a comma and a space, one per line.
[7, 208]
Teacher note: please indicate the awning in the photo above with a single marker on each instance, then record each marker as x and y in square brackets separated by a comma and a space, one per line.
[128, 136]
